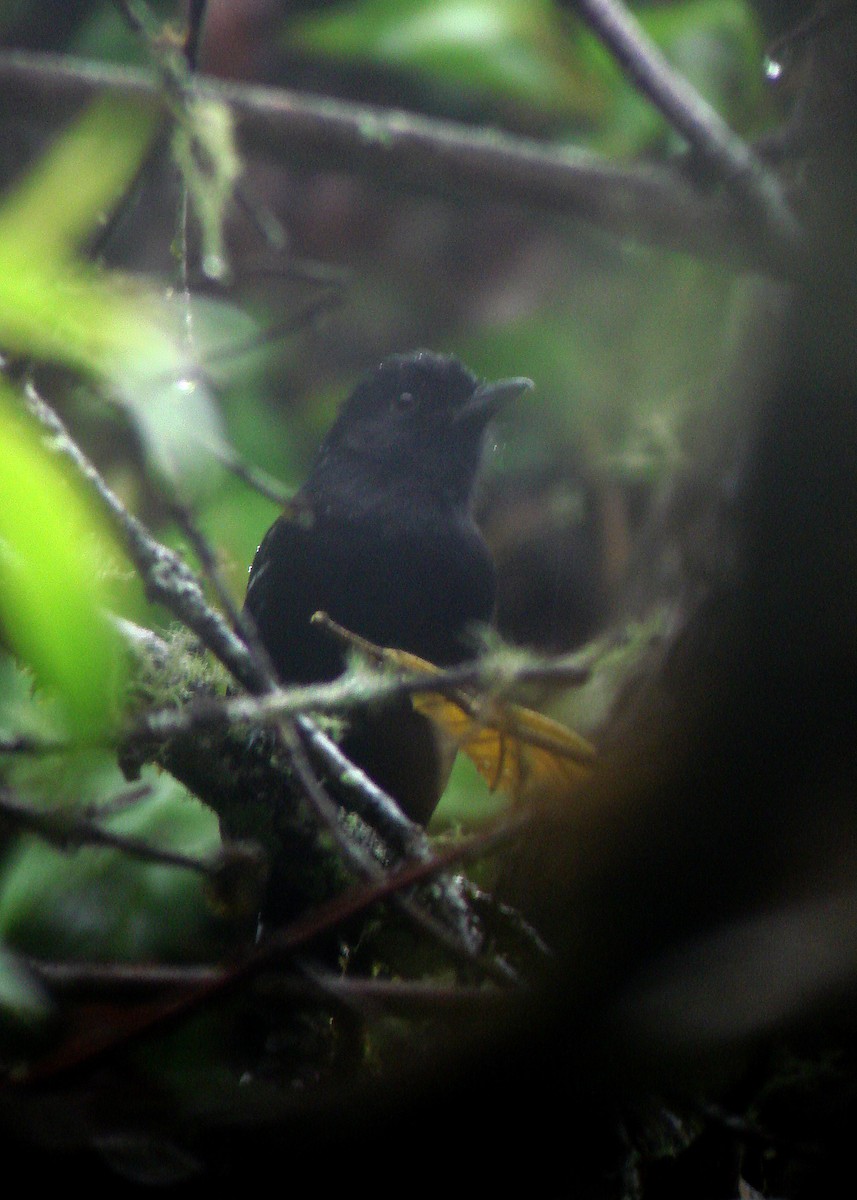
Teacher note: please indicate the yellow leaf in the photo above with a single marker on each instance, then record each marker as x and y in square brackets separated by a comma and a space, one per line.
[518, 751]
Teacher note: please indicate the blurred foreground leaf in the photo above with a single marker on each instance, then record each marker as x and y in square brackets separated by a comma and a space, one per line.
[52, 591]
[515, 50]
[51, 212]
[55, 306]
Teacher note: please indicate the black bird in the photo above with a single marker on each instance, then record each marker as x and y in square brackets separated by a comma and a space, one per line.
[381, 538]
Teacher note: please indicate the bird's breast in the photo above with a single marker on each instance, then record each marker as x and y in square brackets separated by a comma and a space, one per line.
[418, 587]
[415, 583]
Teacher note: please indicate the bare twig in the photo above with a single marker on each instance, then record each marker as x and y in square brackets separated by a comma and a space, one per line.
[304, 318]
[119, 981]
[257, 479]
[29, 744]
[824, 15]
[71, 831]
[118, 802]
[655, 205]
[280, 947]
[193, 37]
[459, 933]
[398, 831]
[694, 118]
[240, 621]
[301, 270]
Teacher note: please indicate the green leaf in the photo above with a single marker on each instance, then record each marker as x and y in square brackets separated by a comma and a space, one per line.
[55, 306]
[52, 591]
[516, 50]
[50, 212]
[75, 316]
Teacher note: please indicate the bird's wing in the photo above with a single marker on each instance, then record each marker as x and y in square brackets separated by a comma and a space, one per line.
[290, 579]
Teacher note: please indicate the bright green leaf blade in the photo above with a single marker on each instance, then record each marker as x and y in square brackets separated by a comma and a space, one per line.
[52, 593]
[55, 307]
[61, 201]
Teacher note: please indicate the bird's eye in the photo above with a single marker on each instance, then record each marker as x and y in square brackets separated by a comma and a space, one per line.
[404, 401]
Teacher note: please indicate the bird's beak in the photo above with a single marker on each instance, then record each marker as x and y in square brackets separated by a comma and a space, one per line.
[490, 397]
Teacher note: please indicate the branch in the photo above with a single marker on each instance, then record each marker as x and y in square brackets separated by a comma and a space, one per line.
[224, 763]
[27, 744]
[730, 158]
[652, 205]
[280, 947]
[124, 981]
[69, 831]
[495, 673]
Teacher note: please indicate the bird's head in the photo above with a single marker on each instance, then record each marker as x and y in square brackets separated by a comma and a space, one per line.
[419, 417]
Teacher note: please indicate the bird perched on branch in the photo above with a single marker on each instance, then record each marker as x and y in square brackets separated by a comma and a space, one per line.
[381, 538]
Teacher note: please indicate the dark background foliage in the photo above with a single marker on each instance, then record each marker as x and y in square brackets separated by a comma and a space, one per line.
[680, 486]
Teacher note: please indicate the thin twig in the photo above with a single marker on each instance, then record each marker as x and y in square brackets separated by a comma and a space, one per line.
[280, 947]
[823, 16]
[294, 323]
[193, 36]
[71, 832]
[347, 693]
[240, 621]
[260, 481]
[458, 935]
[31, 744]
[299, 270]
[118, 981]
[693, 117]
[404, 836]
[118, 802]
